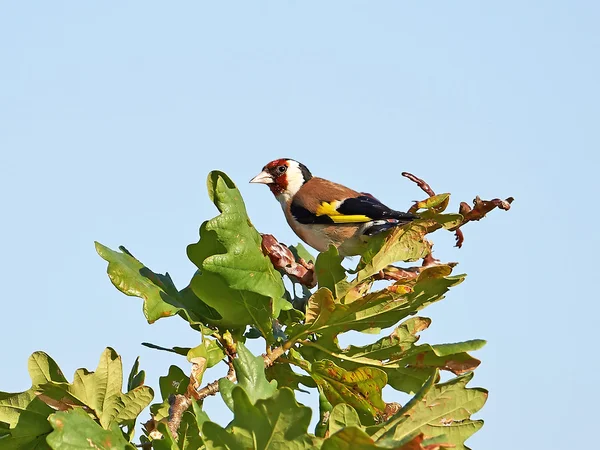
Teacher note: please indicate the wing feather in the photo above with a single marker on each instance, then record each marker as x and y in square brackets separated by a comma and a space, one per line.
[361, 209]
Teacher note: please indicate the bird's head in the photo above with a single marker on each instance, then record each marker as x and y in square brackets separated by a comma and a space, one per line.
[284, 177]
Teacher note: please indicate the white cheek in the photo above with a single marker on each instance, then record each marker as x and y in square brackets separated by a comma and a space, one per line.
[295, 180]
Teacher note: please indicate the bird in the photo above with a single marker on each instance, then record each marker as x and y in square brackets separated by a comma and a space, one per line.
[323, 213]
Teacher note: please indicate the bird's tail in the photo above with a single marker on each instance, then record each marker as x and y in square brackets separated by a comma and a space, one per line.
[379, 226]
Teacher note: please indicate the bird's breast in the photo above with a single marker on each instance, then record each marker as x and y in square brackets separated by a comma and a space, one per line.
[346, 237]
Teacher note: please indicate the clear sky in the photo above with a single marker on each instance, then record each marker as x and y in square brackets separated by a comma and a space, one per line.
[112, 114]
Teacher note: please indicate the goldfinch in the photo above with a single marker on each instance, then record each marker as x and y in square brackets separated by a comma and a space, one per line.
[322, 212]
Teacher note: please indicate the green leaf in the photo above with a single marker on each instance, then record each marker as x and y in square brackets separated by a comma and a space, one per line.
[100, 391]
[210, 350]
[294, 316]
[42, 368]
[31, 426]
[394, 345]
[407, 365]
[188, 435]
[441, 409]
[452, 357]
[300, 251]
[136, 377]
[132, 278]
[343, 416]
[167, 441]
[325, 409]
[23, 416]
[276, 423]
[448, 221]
[330, 272]
[286, 377]
[360, 388]
[380, 309]
[438, 202]
[160, 411]
[406, 243]
[214, 353]
[319, 308]
[161, 297]
[434, 206]
[199, 414]
[354, 438]
[250, 373]
[183, 351]
[75, 430]
[175, 382]
[351, 438]
[235, 277]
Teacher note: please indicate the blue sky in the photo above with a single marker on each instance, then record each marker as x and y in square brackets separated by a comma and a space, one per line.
[112, 114]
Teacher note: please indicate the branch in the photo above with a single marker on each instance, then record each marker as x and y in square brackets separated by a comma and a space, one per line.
[478, 212]
[272, 355]
[283, 259]
[269, 358]
[421, 183]
[213, 388]
[229, 347]
[482, 207]
[179, 403]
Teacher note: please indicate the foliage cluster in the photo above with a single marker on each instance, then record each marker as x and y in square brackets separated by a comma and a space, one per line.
[237, 294]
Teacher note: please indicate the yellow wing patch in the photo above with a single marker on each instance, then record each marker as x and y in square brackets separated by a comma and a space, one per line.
[330, 209]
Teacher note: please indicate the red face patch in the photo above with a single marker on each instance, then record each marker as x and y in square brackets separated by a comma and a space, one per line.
[276, 163]
[278, 170]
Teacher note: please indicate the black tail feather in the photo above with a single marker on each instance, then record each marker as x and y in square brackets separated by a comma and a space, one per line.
[379, 226]
[404, 217]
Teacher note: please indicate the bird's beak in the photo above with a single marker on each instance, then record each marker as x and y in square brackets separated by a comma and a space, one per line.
[263, 177]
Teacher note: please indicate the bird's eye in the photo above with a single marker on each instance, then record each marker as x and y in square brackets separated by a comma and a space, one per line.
[281, 169]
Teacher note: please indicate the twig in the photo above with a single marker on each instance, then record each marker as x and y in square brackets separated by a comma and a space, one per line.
[229, 348]
[283, 259]
[179, 403]
[482, 207]
[213, 388]
[269, 358]
[272, 355]
[478, 212]
[421, 183]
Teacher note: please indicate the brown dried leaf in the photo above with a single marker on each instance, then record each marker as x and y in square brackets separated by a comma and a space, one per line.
[283, 259]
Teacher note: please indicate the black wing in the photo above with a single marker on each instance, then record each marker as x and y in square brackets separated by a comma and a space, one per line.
[369, 206]
[361, 209]
[304, 216]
